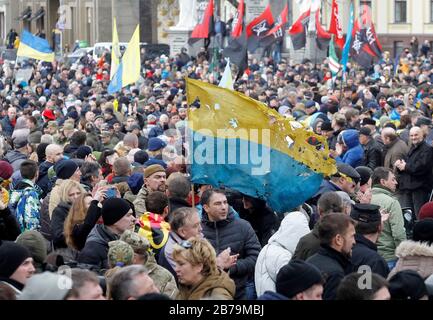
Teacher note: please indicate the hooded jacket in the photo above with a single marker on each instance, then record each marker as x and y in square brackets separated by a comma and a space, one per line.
[15, 158]
[241, 238]
[414, 255]
[215, 286]
[24, 201]
[279, 251]
[393, 232]
[354, 153]
[95, 250]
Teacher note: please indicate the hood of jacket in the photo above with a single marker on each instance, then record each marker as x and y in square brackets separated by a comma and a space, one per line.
[414, 248]
[214, 281]
[101, 234]
[293, 227]
[14, 155]
[350, 138]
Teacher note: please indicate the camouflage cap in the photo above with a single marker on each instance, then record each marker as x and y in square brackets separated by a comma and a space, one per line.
[53, 124]
[120, 254]
[68, 126]
[105, 134]
[138, 243]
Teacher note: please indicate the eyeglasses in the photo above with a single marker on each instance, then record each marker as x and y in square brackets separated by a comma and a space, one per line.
[186, 244]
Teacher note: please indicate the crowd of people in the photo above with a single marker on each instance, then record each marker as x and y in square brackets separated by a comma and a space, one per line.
[96, 192]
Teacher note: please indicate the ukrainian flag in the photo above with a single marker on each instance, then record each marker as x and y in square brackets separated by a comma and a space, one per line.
[128, 71]
[240, 143]
[34, 47]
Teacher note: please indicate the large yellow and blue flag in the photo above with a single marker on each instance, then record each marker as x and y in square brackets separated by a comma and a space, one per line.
[128, 71]
[240, 143]
[34, 47]
[115, 51]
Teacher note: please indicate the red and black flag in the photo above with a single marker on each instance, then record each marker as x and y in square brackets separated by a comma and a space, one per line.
[370, 32]
[237, 51]
[278, 30]
[238, 21]
[360, 50]
[323, 37]
[298, 31]
[258, 28]
[335, 27]
[205, 26]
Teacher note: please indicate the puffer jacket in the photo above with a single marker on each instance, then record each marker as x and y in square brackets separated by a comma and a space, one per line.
[15, 158]
[241, 238]
[216, 286]
[95, 250]
[279, 251]
[413, 255]
[393, 232]
[354, 153]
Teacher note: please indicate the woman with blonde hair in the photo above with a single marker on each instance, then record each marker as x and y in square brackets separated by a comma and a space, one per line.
[82, 217]
[69, 192]
[198, 274]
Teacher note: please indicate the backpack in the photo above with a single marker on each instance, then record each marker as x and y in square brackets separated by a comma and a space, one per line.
[154, 228]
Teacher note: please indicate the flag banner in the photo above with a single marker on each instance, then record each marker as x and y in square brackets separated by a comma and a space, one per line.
[34, 47]
[347, 45]
[298, 31]
[370, 32]
[240, 143]
[278, 30]
[334, 66]
[238, 20]
[322, 36]
[205, 27]
[360, 50]
[237, 52]
[128, 71]
[115, 51]
[335, 27]
[258, 28]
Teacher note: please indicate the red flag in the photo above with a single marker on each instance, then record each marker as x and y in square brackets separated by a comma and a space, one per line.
[277, 32]
[360, 50]
[335, 28]
[238, 20]
[262, 24]
[323, 37]
[298, 31]
[203, 29]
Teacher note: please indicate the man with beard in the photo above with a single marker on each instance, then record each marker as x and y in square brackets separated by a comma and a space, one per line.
[337, 237]
[154, 180]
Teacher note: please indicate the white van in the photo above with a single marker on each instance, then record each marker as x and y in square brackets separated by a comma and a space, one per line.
[101, 47]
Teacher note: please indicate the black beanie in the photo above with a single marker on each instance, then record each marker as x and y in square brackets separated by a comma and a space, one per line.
[365, 173]
[423, 230]
[65, 169]
[407, 285]
[12, 255]
[114, 209]
[296, 277]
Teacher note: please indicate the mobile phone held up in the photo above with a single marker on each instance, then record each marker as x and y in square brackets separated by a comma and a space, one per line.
[111, 193]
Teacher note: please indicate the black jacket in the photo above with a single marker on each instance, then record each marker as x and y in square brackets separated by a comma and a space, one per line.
[43, 181]
[372, 154]
[365, 253]
[57, 224]
[418, 171]
[334, 267]
[308, 245]
[9, 227]
[176, 203]
[80, 232]
[264, 222]
[95, 250]
[241, 238]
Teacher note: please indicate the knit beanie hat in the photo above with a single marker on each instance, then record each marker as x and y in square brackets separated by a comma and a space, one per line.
[83, 151]
[113, 209]
[407, 285]
[423, 230]
[46, 286]
[365, 173]
[426, 211]
[65, 169]
[12, 255]
[154, 168]
[34, 241]
[296, 277]
[135, 182]
[120, 254]
[6, 170]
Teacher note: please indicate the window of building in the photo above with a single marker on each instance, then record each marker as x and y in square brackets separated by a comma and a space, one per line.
[400, 11]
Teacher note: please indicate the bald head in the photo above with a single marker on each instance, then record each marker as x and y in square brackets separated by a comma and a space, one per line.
[54, 153]
[416, 135]
[388, 135]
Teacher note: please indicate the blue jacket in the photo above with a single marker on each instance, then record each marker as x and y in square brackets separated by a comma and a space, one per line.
[354, 155]
[8, 129]
[270, 295]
